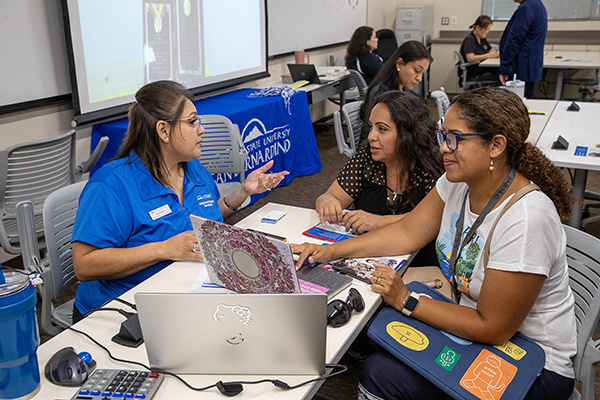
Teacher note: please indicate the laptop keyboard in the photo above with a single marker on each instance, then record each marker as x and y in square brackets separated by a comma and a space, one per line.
[308, 287]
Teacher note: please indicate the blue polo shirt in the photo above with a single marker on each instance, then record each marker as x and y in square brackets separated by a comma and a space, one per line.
[123, 206]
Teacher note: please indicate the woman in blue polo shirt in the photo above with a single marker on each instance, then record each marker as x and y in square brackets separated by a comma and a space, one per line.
[133, 217]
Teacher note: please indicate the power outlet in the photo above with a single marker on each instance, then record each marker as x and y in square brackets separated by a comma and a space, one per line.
[454, 20]
[445, 20]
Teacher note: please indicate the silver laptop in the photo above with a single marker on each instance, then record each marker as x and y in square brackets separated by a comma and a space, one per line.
[249, 262]
[265, 334]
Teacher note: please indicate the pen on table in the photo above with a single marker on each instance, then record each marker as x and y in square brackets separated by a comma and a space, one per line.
[537, 112]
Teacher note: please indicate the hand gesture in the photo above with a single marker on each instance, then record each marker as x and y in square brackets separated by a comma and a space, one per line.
[330, 209]
[360, 221]
[389, 284]
[312, 252]
[181, 247]
[258, 181]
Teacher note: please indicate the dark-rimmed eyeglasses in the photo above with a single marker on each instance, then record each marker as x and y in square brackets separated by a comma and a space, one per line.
[339, 311]
[192, 121]
[452, 139]
[393, 201]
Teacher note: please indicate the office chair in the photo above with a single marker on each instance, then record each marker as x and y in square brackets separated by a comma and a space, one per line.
[583, 258]
[387, 43]
[441, 101]
[426, 40]
[223, 151]
[361, 84]
[463, 81]
[56, 268]
[588, 87]
[349, 116]
[31, 171]
[336, 62]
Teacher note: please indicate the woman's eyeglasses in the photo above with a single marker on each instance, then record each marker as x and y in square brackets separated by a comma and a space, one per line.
[393, 202]
[452, 139]
[339, 312]
[195, 122]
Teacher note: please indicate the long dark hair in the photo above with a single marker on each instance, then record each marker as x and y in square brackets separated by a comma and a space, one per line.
[496, 111]
[160, 100]
[482, 21]
[416, 145]
[358, 45]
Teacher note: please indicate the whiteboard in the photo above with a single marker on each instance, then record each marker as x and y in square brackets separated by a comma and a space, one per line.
[304, 24]
[33, 61]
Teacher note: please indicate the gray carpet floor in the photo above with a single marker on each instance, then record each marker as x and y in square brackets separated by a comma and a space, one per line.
[302, 192]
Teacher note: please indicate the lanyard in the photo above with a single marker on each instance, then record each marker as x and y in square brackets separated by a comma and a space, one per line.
[458, 246]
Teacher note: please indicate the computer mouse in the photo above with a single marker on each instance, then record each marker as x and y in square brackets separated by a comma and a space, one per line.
[67, 368]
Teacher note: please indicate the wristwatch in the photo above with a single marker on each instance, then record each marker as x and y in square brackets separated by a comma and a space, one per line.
[410, 304]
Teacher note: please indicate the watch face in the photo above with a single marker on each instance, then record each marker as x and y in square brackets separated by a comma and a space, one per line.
[411, 303]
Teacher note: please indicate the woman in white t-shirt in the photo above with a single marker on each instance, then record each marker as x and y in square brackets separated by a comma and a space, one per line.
[524, 286]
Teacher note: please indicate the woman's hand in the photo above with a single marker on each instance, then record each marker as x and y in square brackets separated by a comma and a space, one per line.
[258, 181]
[181, 247]
[312, 252]
[389, 284]
[493, 53]
[329, 208]
[360, 221]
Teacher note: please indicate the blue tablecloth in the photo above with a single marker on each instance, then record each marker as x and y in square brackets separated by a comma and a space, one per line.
[270, 131]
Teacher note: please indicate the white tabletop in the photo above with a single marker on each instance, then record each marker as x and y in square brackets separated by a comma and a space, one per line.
[540, 112]
[178, 277]
[580, 129]
[560, 60]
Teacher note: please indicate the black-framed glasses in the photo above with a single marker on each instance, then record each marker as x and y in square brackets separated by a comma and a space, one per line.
[339, 311]
[451, 139]
[393, 202]
[195, 122]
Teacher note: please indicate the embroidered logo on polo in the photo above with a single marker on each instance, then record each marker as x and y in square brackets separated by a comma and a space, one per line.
[407, 336]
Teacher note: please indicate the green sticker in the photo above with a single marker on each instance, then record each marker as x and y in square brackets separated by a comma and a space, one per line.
[448, 358]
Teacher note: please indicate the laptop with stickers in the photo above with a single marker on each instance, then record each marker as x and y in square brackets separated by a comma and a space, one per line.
[249, 262]
[201, 333]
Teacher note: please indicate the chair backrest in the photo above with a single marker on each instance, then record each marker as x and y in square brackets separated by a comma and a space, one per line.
[441, 101]
[387, 43]
[31, 171]
[583, 258]
[426, 40]
[338, 62]
[222, 148]
[462, 69]
[360, 82]
[60, 209]
[350, 116]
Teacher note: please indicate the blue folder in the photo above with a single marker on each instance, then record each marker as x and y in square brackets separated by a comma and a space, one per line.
[461, 368]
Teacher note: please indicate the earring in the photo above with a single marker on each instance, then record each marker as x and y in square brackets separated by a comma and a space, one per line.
[491, 165]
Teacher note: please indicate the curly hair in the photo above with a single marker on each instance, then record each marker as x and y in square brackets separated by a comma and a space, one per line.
[358, 45]
[416, 144]
[160, 100]
[496, 111]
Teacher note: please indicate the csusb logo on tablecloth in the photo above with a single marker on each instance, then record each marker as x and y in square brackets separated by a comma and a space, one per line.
[263, 145]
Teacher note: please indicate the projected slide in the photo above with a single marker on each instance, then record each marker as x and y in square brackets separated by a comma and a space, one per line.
[120, 45]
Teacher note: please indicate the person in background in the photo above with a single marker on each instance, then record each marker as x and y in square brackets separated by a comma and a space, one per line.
[525, 284]
[359, 53]
[403, 71]
[475, 47]
[134, 213]
[522, 45]
[389, 177]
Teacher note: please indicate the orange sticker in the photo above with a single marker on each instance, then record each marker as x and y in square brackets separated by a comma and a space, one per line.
[489, 376]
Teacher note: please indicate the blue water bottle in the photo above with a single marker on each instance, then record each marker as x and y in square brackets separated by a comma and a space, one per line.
[20, 338]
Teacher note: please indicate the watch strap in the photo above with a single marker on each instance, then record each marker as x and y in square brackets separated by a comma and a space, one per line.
[410, 304]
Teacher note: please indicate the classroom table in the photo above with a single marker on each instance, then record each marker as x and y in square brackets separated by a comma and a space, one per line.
[561, 61]
[539, 114]
[270, 130]
[580, 129]
[179, 277]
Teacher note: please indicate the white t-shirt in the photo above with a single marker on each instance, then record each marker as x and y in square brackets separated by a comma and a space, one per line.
[528, 238]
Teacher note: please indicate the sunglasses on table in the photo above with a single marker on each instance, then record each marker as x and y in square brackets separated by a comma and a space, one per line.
[339, 311]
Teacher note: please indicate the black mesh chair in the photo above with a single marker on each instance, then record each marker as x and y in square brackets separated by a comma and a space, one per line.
[387, 43]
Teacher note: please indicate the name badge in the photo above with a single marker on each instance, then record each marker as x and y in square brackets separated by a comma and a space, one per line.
[160, 212]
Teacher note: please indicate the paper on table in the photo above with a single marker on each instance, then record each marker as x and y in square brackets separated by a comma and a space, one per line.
[203, 284]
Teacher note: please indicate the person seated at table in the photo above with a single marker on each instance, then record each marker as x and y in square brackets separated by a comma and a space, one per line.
[475, 47]
[359, 53]
[389, 177]
[524, 286]
[134, 213]
[402, 71]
